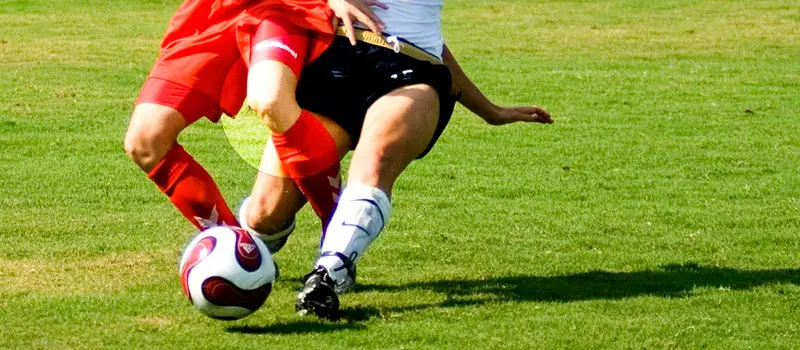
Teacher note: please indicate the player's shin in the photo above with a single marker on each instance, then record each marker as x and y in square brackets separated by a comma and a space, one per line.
[308, 153]
[191, 189]
[360, 217]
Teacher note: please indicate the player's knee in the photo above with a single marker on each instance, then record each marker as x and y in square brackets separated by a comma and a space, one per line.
[377, 167]
[136, 147]
[145, 148]
[152, 132]
[268, 107]
[276, 112]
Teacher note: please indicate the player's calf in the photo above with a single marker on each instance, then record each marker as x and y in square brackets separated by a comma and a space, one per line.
[361, 216]
[257, 221]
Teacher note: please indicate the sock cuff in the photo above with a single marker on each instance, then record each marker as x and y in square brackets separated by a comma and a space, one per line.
[305, 121]
[281, 233]
[307, 148]
[354, 192]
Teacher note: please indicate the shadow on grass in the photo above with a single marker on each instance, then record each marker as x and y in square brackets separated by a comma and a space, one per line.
[298, 327]
[350, 318]
[677, 280]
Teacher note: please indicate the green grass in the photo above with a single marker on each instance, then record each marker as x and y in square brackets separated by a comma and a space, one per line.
[662, 210]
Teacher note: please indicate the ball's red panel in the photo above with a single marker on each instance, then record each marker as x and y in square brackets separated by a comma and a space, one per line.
[222, 292]
[247, 253]
[200, 251]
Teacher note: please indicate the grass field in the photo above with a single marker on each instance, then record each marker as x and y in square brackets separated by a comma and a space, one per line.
[662, 210]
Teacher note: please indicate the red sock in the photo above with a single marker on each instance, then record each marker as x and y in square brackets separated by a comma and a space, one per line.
[191, 189]
[308, 153]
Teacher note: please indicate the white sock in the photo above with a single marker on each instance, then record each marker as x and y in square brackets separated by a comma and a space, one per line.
[360, 217]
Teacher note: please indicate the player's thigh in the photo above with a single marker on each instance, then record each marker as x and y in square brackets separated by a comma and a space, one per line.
[397, 128]
[152, 131]
[402, 121]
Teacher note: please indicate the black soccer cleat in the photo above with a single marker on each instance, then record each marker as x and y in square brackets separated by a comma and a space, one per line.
[318, 295]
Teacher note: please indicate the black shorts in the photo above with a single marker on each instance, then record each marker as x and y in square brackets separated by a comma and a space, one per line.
[343, 82]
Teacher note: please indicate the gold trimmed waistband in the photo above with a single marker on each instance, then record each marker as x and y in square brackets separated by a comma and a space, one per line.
[396, 46]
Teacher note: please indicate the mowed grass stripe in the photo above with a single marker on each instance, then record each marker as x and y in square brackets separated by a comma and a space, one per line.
[661, 210]
[106, 274]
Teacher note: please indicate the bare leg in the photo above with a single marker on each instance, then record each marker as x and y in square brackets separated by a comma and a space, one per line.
[150, 142]
[306, 149]
[275, 199]
[397, 129]
[271, 89]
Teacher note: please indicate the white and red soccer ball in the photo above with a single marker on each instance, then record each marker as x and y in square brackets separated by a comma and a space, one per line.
[226, 272]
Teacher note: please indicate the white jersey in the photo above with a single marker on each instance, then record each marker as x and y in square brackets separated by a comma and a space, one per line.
[416, 21]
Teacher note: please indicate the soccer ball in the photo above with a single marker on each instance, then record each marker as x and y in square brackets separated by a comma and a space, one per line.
[226, 272]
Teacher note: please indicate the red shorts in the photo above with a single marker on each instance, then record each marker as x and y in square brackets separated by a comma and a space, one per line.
[202, 67]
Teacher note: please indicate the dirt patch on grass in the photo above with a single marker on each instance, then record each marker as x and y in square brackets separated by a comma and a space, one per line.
[100, 274]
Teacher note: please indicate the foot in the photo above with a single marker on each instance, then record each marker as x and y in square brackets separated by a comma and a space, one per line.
[318, 295]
